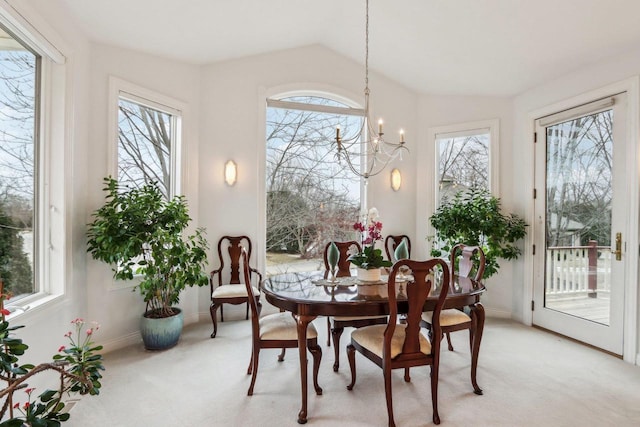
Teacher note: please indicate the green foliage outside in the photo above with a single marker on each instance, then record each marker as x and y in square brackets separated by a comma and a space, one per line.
[475, 218]
[137, 231]
[15, 268]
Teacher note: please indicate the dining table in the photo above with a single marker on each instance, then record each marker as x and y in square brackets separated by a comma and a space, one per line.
[308, 295]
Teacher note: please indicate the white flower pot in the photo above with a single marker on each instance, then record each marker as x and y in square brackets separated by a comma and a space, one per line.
[372, 275]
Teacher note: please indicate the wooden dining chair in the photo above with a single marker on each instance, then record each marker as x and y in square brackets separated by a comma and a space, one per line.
[391, 242]
[278, 330]
[465, 261]
[395, 345]
[336, 324]
[229, 288]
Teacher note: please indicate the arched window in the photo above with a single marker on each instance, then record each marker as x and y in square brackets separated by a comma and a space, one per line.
[311, 197]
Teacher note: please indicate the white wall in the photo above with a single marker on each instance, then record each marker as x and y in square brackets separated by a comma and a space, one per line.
[233, 127]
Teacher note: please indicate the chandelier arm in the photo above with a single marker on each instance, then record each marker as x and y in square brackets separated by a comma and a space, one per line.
[368, 144]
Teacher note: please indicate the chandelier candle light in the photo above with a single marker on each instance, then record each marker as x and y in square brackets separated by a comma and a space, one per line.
[368, 144]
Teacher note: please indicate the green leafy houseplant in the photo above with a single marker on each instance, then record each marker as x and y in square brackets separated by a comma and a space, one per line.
[138, 231]
[78, 366]
[475, 218]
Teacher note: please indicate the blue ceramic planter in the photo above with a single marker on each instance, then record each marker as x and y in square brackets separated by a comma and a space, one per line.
[161, 334]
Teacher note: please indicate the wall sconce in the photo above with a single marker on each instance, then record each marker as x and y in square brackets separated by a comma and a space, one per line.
[396, 179]
[230, 172]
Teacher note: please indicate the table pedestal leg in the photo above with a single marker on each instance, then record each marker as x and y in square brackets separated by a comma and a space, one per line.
[477, 316]
[302, 322]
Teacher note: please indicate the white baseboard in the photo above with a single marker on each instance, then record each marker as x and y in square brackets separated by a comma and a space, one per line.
[121, 342]
[500, 314]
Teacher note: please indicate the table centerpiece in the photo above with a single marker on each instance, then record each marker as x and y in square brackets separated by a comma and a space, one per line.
[369, 261]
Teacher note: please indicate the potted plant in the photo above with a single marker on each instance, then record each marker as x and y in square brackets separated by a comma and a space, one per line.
[474, 218]
[370, 260]
[77, 366]
[139, 232]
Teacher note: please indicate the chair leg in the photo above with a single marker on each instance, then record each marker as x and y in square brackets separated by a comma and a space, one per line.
[449, 342]
[407, 377]
[247, 315]
[351, 355]
[434, 391]
[281, 356]
[328, 331]
[387, 391]
[221, 313]
[255, 356]
[212, 309]
[336, 333]
[250, 368]
[316, 352]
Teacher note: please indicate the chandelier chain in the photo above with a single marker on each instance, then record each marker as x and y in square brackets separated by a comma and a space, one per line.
[366, 49]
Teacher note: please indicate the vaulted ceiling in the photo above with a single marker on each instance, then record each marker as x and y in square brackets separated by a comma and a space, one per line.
[470, 47]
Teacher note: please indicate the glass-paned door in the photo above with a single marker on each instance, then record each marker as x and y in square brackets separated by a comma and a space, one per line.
[580, 155]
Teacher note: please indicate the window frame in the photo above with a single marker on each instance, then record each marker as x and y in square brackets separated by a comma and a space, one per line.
[427, 155]
[460, 133]
[51, 135]
[122, 89]
[278, 100]
[490, 127]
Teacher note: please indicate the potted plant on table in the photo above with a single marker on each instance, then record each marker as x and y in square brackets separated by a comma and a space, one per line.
[475, 218]
[370, 260]
[139, 232]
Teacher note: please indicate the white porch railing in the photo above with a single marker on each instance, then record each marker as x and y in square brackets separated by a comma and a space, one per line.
[574, 270]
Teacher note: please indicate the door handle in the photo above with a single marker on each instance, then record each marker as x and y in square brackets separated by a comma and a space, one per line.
[618, 251]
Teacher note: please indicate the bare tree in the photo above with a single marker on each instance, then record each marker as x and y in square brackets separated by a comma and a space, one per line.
[579, 166]
[17, 165]
[144, 146]
[311, 197]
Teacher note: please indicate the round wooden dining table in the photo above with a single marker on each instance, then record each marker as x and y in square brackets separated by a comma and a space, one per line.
[308, 295]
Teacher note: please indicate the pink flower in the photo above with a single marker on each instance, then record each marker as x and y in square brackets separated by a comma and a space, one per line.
[29, 390]
[89, 331]
[16, 405]
[5, 312]
[61, 349]
[77, 320]
[26, 405]
[68, 334]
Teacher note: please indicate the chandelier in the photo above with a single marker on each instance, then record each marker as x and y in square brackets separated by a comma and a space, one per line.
[368, 144]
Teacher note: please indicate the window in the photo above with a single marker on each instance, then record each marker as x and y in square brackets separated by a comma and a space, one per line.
[33, 165]
[311, 197]
[19, 148]
[148, 134]
[464, 155]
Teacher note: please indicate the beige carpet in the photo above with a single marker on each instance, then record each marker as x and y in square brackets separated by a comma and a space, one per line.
[529, 377]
